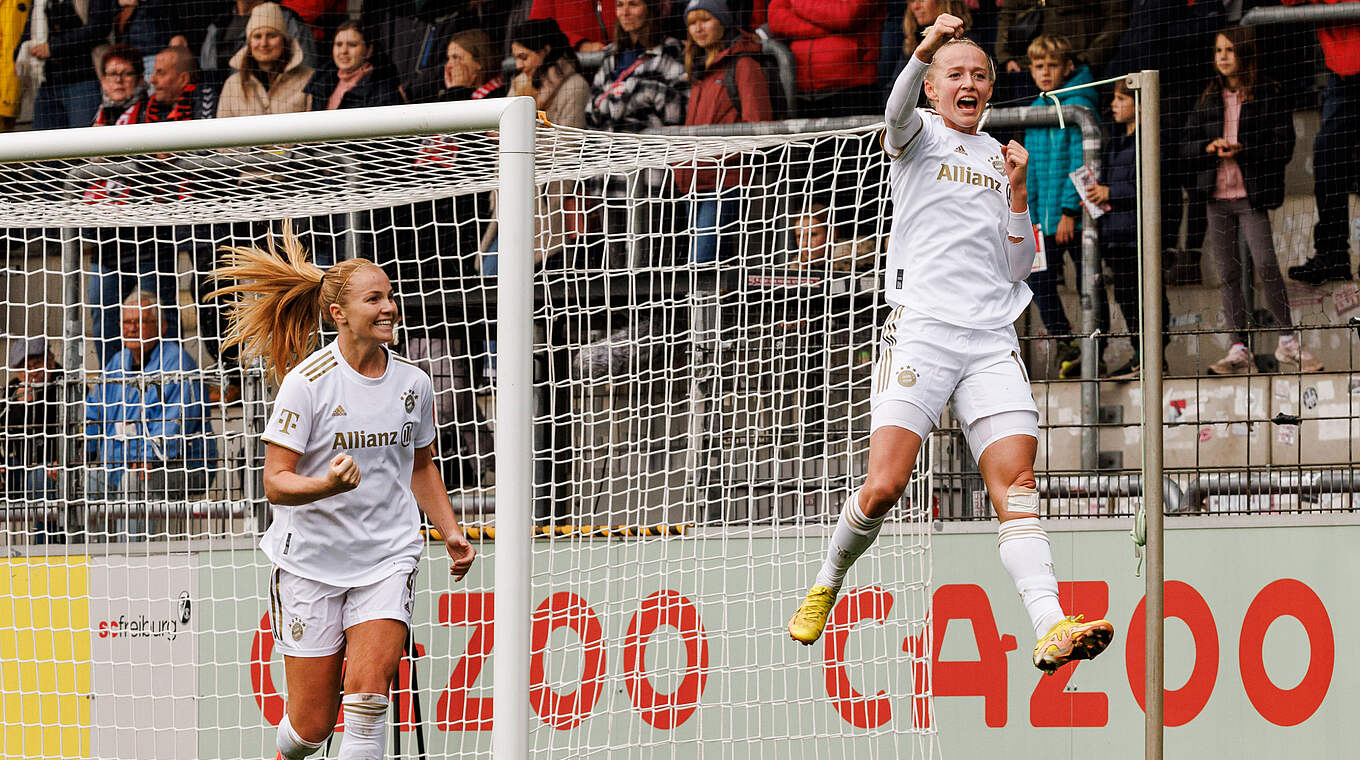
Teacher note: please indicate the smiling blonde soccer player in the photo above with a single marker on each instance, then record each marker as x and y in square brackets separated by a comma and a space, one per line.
[348, 468]
[960, 250]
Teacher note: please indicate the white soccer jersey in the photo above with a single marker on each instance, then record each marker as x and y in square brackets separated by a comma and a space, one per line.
[946, 254]
[325, 408]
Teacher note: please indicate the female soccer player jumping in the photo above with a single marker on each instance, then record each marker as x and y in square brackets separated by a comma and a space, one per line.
[960, 250]
[349, 461]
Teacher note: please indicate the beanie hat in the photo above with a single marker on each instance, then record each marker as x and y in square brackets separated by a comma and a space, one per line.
[267, 15]
[718, 8]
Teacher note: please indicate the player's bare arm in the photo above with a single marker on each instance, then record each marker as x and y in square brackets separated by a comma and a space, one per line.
[428, 488]
[283, 485]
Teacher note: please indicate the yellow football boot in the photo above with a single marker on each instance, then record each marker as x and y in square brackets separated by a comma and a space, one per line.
[1071, 639]
[807, 623]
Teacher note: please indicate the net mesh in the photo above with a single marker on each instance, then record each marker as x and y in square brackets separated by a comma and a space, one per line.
[705, 321]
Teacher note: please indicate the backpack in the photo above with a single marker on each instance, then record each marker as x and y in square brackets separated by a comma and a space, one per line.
[779, 104]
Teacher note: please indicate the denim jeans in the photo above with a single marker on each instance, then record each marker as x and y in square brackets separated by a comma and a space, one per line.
[68, 105]
[109, 288]
[711, 215]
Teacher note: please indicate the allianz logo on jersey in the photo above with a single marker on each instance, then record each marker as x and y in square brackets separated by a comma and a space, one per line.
[362, 439]
[967, 176]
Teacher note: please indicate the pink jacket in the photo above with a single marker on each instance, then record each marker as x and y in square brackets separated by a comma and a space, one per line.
[834, 42]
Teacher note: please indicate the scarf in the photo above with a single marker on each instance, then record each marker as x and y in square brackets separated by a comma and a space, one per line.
[347, 81]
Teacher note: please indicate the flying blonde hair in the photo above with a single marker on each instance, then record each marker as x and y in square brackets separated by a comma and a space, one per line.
[279, 295]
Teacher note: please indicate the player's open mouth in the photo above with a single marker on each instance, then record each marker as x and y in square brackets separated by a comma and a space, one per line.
[967, 104]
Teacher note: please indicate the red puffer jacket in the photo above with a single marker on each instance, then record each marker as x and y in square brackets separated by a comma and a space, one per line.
[710, 104]
[835, 42]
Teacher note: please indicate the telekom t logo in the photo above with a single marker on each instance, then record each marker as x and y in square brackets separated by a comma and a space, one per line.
[289, 421]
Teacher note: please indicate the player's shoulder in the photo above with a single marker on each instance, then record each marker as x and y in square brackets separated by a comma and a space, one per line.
[406, 367]
[319, 364]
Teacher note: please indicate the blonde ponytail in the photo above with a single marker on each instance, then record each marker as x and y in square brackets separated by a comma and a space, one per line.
[279, 294]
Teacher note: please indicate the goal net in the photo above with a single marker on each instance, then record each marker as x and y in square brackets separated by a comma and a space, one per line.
[705, 316]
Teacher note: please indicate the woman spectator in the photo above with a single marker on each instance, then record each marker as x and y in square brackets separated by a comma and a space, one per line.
[1239, 138]
[835, 47]
[471, 69]
[358, 79]
[716, 50]
[548, 72]
[919, 16]
[270, 74]
[641, 81]
[121, 82]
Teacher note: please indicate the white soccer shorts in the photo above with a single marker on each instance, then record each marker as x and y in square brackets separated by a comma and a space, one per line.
[924, 362]
[309, 617]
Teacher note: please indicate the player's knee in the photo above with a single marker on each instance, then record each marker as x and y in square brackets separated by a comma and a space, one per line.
[1024, 479]
[303, 734]
[879, 494]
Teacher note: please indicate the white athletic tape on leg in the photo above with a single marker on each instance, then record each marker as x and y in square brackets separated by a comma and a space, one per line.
[1022, 500]
[365, 719]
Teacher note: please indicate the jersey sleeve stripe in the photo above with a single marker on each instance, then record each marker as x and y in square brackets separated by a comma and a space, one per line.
[317, 362]
[883, 141]
[284, 446]
[319, 371]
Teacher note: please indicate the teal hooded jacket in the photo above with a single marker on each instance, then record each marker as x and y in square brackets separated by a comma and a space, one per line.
[1054, 153]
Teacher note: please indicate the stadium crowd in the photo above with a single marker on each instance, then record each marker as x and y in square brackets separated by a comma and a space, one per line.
[629, 65]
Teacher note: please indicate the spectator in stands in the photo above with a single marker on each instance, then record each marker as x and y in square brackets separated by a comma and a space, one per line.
[548, 72]
[31, 420]
[471, 69]
[1239, 139]
[13, 19]
[227, 34]
[1170, 36]
[1053, 201]
[1091, 27]
[1336, 155]
[357, 79]
[146, 436]
[270, 74]
[641, 81]
[1119, 225]
[817, 241]
[835, 47]
[69, 94]
[719, 63]
[121, 84]
[175, 93]
[586, 23]
[143, 25]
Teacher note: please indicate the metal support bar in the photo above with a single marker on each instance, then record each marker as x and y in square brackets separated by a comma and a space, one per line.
[1334, 13]
[1251, 483]
[1148, 84]
[1078, 486]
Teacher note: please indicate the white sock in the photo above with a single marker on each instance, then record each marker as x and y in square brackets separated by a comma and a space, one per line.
[292, 746]
[365, 721]
[1026, 555]
[854, 534]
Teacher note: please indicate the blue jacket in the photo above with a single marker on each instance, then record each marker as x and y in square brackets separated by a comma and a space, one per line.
[1053, 154]
[145, 420]
[1119, 172]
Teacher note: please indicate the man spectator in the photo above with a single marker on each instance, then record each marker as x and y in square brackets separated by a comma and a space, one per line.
[145, 435]
[69, 94]
[1336, 161]
[1093, 27]
[835, 50]
[30, 418]
[227, 34]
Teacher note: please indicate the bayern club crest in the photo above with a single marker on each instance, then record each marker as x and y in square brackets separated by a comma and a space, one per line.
[998, 164]
[297, 629]
[907, 377]
[408, 399]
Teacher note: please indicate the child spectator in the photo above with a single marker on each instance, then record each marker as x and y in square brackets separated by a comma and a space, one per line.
[1119, 225]
[816, 241]
[1239, 138]
[1336, 155]
[357, 79]
[717, 50]
[1053, 201]
[270, 74]
[1092, 29]
[641, 81]
[835, 49]
[69, 93]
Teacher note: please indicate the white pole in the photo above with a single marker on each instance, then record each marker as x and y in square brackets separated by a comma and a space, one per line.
[514, 431]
